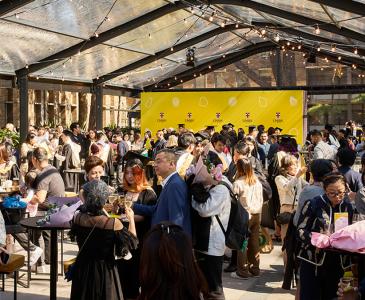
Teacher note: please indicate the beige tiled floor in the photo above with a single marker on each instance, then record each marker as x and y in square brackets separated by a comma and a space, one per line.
[266, 287]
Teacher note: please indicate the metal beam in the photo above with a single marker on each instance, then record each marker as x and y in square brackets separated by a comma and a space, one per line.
[354, 7]
[309, 36]
[99, 106]
[248, 51]
[164, 53]
[293, 17]
[103, 37]
[215, 63]
[7, 6]
[252, 74]
[23, 107]
[311, 90]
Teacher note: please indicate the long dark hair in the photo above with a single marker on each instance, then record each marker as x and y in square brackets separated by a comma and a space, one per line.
[168, 268]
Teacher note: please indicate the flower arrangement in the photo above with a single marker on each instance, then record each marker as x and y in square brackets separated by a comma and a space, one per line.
[215, 171]
[205, 172]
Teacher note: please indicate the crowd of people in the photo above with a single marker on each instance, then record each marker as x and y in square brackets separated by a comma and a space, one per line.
[181, 184]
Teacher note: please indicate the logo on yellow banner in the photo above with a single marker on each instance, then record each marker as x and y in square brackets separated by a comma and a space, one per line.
[247, 118]
[277, 118]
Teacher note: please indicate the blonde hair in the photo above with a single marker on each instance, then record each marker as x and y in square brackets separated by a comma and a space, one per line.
[287, 161]
[245, 170]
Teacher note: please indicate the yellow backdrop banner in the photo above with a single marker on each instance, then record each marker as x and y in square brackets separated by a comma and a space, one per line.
[197, 110]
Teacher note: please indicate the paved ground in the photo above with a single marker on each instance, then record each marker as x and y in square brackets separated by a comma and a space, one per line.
[266, 287]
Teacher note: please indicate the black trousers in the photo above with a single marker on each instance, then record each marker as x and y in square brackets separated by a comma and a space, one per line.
[211, 266]
[322, 285]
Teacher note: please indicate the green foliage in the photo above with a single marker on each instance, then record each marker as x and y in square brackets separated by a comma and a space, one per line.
[321, 109]
[359, 99]
[6, 134]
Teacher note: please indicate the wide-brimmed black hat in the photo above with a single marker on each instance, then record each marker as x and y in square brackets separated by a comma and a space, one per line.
[137, 155]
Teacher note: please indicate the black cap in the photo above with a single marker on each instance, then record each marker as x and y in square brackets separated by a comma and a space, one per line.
[210, 127]
[225, 127]
[285, 136]
[278, 128]
[252, 128]
[203, 135]
[134, 154]
[181, 125]
[230, 125]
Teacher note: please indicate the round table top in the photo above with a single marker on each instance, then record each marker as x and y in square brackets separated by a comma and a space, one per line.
[31, 223]
[77, 171]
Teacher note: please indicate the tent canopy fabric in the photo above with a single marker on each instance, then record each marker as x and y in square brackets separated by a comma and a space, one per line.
[135, 43]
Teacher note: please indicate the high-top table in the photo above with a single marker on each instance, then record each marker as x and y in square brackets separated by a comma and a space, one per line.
[31, 223]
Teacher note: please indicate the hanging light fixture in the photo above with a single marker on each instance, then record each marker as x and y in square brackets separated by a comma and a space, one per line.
[317, 30]
[190, 57]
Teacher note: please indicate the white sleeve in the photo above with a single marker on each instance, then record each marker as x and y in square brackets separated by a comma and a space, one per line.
[214, 204]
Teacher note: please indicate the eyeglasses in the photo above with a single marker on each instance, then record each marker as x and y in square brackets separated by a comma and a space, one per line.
[336, 194]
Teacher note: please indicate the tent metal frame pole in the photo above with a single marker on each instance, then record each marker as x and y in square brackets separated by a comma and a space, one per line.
[99, 93]
[23, 106]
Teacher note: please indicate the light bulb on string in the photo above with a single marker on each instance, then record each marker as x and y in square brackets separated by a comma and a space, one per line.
[63, 78]
[17, 16]
[26, 66]
[64, 65]
[277, 38]
[237, 25]
[211, 18]
[96, 34]
[175, 78]
[355, 51]
[223, 24]
[172, 49]
[317, 30]
[354, 66]
[209, 66]
[299, 46]
[339, 58]
[319, 48]
[333, 48]
[263, 31]
[288, 43]
[37, 77]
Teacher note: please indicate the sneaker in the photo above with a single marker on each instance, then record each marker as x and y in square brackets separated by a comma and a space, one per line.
[38, 269]
[244, 277]
[230, 269]
[35, 255]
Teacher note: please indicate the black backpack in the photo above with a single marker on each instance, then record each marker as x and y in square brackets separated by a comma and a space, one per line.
[237, 232]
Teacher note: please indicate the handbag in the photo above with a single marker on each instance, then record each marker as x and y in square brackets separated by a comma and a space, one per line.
[284, 217]
[69, 265]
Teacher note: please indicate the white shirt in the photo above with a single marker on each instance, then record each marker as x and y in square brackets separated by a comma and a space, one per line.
[163, 183]
[218, 203]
